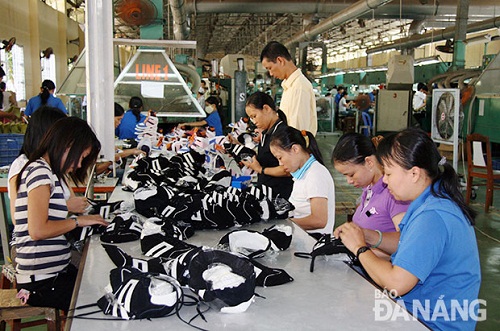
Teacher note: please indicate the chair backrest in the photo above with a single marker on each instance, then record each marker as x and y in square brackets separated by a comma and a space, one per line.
[475, 154]
[367, 124]
[366, 119]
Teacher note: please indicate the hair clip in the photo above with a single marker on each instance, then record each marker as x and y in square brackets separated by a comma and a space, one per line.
[306, 137]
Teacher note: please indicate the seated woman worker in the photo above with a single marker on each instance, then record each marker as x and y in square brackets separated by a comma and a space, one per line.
[435, 260]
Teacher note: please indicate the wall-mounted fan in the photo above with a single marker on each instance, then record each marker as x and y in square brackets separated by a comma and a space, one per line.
[445, 110]
[8, 44]
[136, 12]
[446, 48]
[46, 53]
[445, 121]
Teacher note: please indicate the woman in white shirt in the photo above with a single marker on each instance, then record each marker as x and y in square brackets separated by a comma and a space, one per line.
[313, 193]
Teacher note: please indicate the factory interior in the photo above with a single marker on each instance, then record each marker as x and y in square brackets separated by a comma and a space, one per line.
[377, 50]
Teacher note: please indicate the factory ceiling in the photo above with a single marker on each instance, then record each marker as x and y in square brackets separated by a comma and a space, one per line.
[223, 27]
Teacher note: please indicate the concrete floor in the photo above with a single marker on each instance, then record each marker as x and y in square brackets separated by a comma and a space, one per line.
[487, 233]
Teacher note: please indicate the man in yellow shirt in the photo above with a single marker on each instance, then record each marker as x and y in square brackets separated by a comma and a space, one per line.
[298, 101]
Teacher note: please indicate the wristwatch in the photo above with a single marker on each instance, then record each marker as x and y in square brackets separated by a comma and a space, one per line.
[362, 250]
[75, 218]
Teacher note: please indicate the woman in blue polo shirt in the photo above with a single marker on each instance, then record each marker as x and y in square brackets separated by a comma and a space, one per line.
[45, 98]
[133, 116]
[435, 262]
[213, 108]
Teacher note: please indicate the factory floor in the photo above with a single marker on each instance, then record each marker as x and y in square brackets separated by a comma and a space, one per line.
[487, 233]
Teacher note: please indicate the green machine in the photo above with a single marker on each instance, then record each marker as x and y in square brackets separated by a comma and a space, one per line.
[483, 110]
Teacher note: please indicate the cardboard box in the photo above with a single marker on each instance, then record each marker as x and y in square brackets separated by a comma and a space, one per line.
[447, 151]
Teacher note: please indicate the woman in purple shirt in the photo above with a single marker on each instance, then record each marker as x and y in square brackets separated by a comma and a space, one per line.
[354, 157]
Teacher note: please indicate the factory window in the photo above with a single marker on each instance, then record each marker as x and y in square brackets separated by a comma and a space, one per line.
[13, 65]
[48, 66]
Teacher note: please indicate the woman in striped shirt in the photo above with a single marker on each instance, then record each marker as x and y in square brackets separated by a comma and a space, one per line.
[70, 147]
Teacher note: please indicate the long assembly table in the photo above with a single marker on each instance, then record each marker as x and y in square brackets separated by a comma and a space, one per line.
[333, 297]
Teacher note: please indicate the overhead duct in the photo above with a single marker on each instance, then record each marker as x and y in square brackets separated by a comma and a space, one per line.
[392, 11]
[181, 29]
[416, 27]
[417, 40]
[358, 9]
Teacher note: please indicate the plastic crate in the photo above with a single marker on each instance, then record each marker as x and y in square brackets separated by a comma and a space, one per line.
[241, 181]
[10, 145]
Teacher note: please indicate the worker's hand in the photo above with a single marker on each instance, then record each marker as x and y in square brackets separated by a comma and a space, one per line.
[87, 220]
[77, 205]
[232, 139]
[252, 164]
[137, 151]
[352, 236]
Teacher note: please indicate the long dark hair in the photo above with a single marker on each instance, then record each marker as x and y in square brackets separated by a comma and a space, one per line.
[136, 104]
[213, 100]
[259, 99]
[353, 148]
[284, 139]
[39, 124]
[414, 148]
[47, 86]
[72, 134]
[119, 111]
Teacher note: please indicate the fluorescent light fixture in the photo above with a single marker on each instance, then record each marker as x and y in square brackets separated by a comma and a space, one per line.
[427, 60]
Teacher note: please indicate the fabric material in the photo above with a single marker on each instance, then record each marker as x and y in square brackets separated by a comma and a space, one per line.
[138, 295]
[438, 246]
[237, 297]
[214, 121]
[47, 256]
[124, 228]
[280, 185]
[269, 276]
[317, 182]
[36, 102]
[299, 103]
[376, 213]
[126, 129]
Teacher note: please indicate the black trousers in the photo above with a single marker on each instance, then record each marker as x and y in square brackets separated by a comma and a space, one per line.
[54, 292]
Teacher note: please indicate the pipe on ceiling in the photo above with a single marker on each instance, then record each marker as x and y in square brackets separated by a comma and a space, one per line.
[416, 27]
[358, 9]
[180, 24]
[412, 8]
[417, 40]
